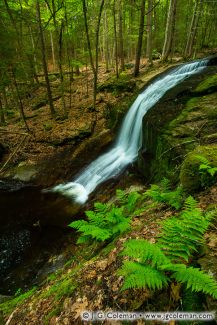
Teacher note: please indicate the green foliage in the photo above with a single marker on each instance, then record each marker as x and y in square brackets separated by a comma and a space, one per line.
[144, 251]
[163, 193]
[154, 265]
[63, 288]
[141, 276]
[206, 170]
[9, 305]
[194, 278]
[107, 220]
[181, 236]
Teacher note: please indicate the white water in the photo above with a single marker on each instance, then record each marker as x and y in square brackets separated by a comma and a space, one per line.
[129, 140]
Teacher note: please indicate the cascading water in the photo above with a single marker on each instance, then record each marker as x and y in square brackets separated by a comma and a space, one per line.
[129, 140]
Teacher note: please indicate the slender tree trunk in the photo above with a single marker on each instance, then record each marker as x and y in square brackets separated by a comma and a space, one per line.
[21, 109]
[5, 100]
[106, 43]
[58, 36]
[2, 115]
[193, 29]
[140, 36]
[94, 66]
[34, 51]
[149, 32]
[44, 62]
[61, 72]
[116, 41]
[121, 40]
[53, 51]
[170, 29]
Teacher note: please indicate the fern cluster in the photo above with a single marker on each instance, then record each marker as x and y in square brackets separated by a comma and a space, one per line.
[163, 193]
[206, 170]
[182, 236]
[107, 220]
[155, 265]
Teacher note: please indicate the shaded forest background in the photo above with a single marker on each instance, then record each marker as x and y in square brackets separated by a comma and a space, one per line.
[42, 39]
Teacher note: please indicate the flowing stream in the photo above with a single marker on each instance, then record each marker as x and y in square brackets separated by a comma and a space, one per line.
[129, 140]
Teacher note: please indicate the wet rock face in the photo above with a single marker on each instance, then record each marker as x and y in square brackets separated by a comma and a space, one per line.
[184, 118]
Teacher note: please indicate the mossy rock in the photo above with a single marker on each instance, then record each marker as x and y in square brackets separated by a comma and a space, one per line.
[191, 177]
[122, 84]
[208, 85]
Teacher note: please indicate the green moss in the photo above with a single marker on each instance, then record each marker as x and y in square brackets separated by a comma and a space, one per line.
[210, 82]
[122, 84]
[8, 306]
[191, 177]
[47, 126]
[54, 312]
[62, 288]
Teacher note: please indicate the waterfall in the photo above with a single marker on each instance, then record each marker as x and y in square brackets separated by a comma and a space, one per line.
[129, 140]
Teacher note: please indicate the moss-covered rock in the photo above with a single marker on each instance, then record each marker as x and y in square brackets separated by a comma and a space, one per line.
[209, 85]
[191, 177]
[168, 139]
[123, 84]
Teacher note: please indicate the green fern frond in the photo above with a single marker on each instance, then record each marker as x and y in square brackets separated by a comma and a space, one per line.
[121, 227]
[190, 203]
[144, 251]
[78, 223]
[203, 160]
[140, 276]
[133, 198]
[163, 194]
[165, 184]
[197, 280]
[95, 232]
[121, 196]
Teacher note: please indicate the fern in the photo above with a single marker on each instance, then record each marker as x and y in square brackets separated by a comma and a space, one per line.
[107, 221]
[129, 201]
[194, 278]
[141, 276]
[144, 251]
[163, 193]
[206, 170]
[183, 235]
[154, 265]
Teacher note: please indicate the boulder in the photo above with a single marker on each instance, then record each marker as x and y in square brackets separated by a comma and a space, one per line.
[192, 177]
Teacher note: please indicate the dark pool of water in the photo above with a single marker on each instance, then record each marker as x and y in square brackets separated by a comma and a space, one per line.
[33, 234]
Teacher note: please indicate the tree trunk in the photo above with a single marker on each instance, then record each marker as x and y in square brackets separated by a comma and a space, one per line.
[43, 51]
[121, 41]
[140, 36]
[34, 51]
[53, 51]
[95, 65]
[170, 29]
[21, 109]
[149, 33]
[193, 29]
[106, 43]
[2, 115]
[5, 100]
[61, 72]
[116, 41]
